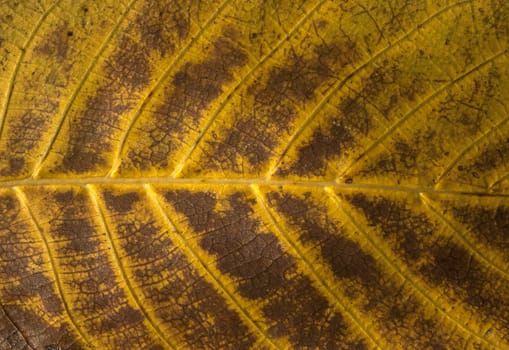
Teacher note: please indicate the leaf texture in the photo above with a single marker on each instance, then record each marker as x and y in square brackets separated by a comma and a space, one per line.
[304, 174]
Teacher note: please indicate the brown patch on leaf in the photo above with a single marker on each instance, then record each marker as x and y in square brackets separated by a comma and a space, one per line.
[23, 260]
[345, 256]
[56, 43]
[91, 136]
[479, 288]
[129, 70]
[94, 279]
[23, 266]
[24, 329]
[489, 225]
[194, 87]
[355, 115]
[259, 259]
[406, 154]
[396, 221]
[252, 135]
[488, 160]
[374, 89]
[492, 157]
[129, 67]
[257, 263]
[162, 22]
[386, 300]
[313, 157]
[187, 301]
[27, 131]
[303, 314]
[121, 203]
[453, 266]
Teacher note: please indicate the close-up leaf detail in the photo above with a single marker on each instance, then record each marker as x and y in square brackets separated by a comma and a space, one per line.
[254, 174]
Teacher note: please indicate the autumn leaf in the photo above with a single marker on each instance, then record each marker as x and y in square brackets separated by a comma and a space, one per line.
[254, 174]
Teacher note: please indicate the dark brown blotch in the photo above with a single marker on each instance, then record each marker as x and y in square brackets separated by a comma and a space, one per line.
[492, 157]
[121, 203]
[345, 257]
[275, 105]
[303, 314]
[394, 308]
[73, 225]
[161, 22]
[23, 261]
[193, 88]
[302, 76]
[23, 265]
[256, 261]
[24, 137]
[313, 157]
[203, 81]
[129, 71]
[187, 300]
[144, 240]
[91, 136]
[235, 237]
[95, 278]
[15, 167]
[489, 225]
[456, 268]
[355, 114]
[395, 221]
[407, 154]
[56, 43]
[24, 329]
[129, 67]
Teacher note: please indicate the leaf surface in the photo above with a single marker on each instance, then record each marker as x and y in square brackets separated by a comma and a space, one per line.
[254, 175]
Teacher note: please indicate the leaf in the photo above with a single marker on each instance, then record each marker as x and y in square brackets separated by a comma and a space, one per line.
[263, 174]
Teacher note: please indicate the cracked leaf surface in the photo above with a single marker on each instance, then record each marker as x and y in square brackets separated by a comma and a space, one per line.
[303, 174]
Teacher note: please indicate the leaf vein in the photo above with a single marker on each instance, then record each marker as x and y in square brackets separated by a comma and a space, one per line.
[341, 83]
[203, 266]
[24, 204]
[77, 90]
[160, 81]
[377, 246]
[425, 101]
[10, 88]
[223, 103]
[100, 211]
[500, 269]
[477, 141]
[29, 182]
[330, 294]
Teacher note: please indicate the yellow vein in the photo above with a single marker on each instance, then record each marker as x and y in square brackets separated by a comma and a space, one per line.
[94, 197]
[164, 76]
[463, 239]
[421, 104]
[23, 201]
[221, 106]
[377, 247]
[343, 81]
[244, 313]
[499, 180]
[460, 155]
[29, 182]
[330, 293]
[10, 88]
[67, 108]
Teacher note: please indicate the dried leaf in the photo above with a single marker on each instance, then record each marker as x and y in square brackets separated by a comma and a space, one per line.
[254, 174]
